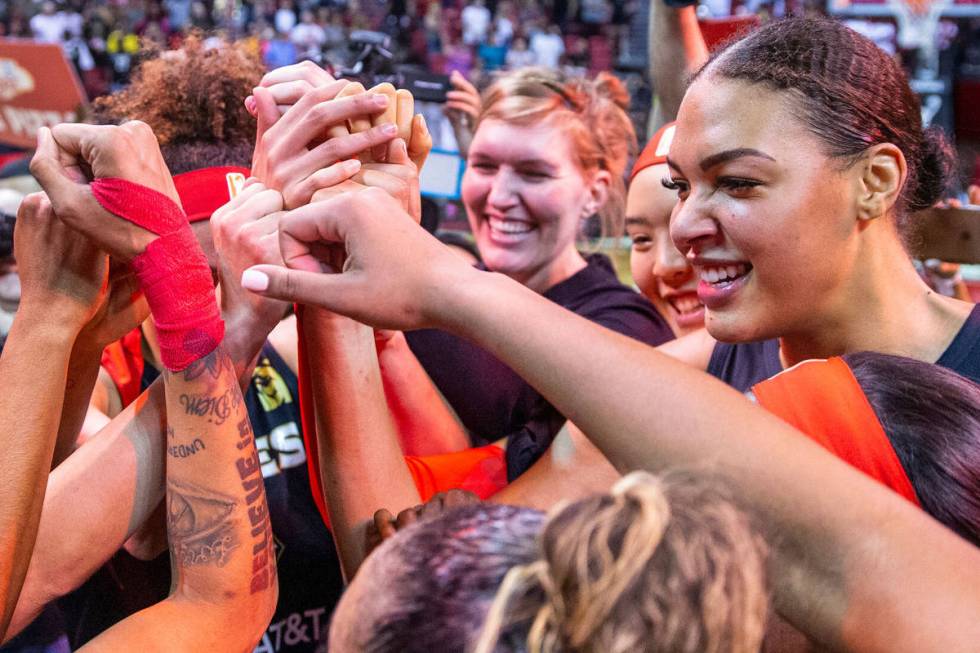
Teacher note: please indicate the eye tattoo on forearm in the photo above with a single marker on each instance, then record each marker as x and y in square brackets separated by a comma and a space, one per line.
[199, 523]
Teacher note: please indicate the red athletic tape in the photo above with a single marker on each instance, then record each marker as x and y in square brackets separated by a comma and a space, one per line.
[173, 272]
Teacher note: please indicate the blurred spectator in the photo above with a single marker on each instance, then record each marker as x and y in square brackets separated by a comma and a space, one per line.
[49, 26]
[491, 54]
[179, 13]
[548, 47]
[518, 56]
[476, 23]
[285, 18]
[277, 50]
[308, 37]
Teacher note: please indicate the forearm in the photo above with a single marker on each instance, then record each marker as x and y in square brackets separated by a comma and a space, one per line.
[83, 370]
[426, 425]
[222, 553]
[571, 468]
[676, 50]
[95, 500]
[857, 554]
[33, 369]
[361, 462]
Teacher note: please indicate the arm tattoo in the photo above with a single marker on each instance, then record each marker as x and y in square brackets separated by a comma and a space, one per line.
[199, 523]
[217, 409]
[210, 367]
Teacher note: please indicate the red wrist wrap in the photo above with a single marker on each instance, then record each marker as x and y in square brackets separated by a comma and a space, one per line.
[173, 272]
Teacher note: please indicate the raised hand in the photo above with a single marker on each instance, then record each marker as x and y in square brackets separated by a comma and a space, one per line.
[62, 273]
[463, 106]
[294, 153]
[290, 83]
[121, 310]
[393, 273]
[69, 156]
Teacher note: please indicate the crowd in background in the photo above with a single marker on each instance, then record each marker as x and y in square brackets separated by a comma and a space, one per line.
[104, 39]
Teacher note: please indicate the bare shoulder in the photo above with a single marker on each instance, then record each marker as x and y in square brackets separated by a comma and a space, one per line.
[694, 348]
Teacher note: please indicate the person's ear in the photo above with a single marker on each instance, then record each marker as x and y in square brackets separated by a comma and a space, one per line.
[882, 171]
[598, 190]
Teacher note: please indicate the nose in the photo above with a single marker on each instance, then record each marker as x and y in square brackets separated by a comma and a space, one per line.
[669, 264]
[502, 189]
[691, 225]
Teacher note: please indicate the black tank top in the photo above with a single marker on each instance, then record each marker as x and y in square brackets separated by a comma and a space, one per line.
[743, 365]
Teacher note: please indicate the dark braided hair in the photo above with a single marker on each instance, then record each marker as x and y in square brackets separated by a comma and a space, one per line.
[849, 93]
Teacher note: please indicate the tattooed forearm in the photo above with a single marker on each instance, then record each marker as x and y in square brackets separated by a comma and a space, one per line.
[216, 408]
[209, 367]
[185, 450]
[200, 524]
[263, 556]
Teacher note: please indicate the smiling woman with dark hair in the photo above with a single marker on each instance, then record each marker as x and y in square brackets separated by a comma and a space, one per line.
[799, 160]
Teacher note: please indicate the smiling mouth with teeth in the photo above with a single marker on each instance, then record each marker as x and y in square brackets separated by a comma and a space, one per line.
[510, 226]
[721, 274]
[685, 303]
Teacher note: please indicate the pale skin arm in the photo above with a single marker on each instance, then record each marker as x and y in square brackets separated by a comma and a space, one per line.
[841, 567]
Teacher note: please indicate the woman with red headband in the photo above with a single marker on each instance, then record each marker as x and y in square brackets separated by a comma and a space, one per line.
[659, 270]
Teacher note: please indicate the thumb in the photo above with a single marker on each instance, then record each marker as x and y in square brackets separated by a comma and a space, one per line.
[398, 152]
[47, 169]
[334, 292]
[266, 111]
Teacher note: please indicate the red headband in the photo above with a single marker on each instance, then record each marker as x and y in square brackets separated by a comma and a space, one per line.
[822, 399]
[204, 191]
[656, 150]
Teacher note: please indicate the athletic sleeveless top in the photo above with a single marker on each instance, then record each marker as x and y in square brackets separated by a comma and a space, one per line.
[310, 580]
[743, 365]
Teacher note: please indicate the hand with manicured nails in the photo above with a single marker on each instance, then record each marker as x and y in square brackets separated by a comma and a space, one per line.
[295, 153]
[69, 156]
[62, 273]
[393, 271]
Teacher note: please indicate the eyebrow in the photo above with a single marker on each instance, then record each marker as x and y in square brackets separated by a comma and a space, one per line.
[724, 157]
[636, 220]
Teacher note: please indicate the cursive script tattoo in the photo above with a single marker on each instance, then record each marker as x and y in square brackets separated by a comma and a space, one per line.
[199, 523]
[217, 408]
[185, 450]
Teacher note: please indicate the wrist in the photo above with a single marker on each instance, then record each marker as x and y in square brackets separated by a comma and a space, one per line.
[462, 290]
[41, 326]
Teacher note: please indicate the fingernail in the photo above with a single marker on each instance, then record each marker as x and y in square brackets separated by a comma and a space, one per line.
[423, 123]
[380, 100]
[250, 103]
[255, 280]
[389, 129]
[352, 165]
